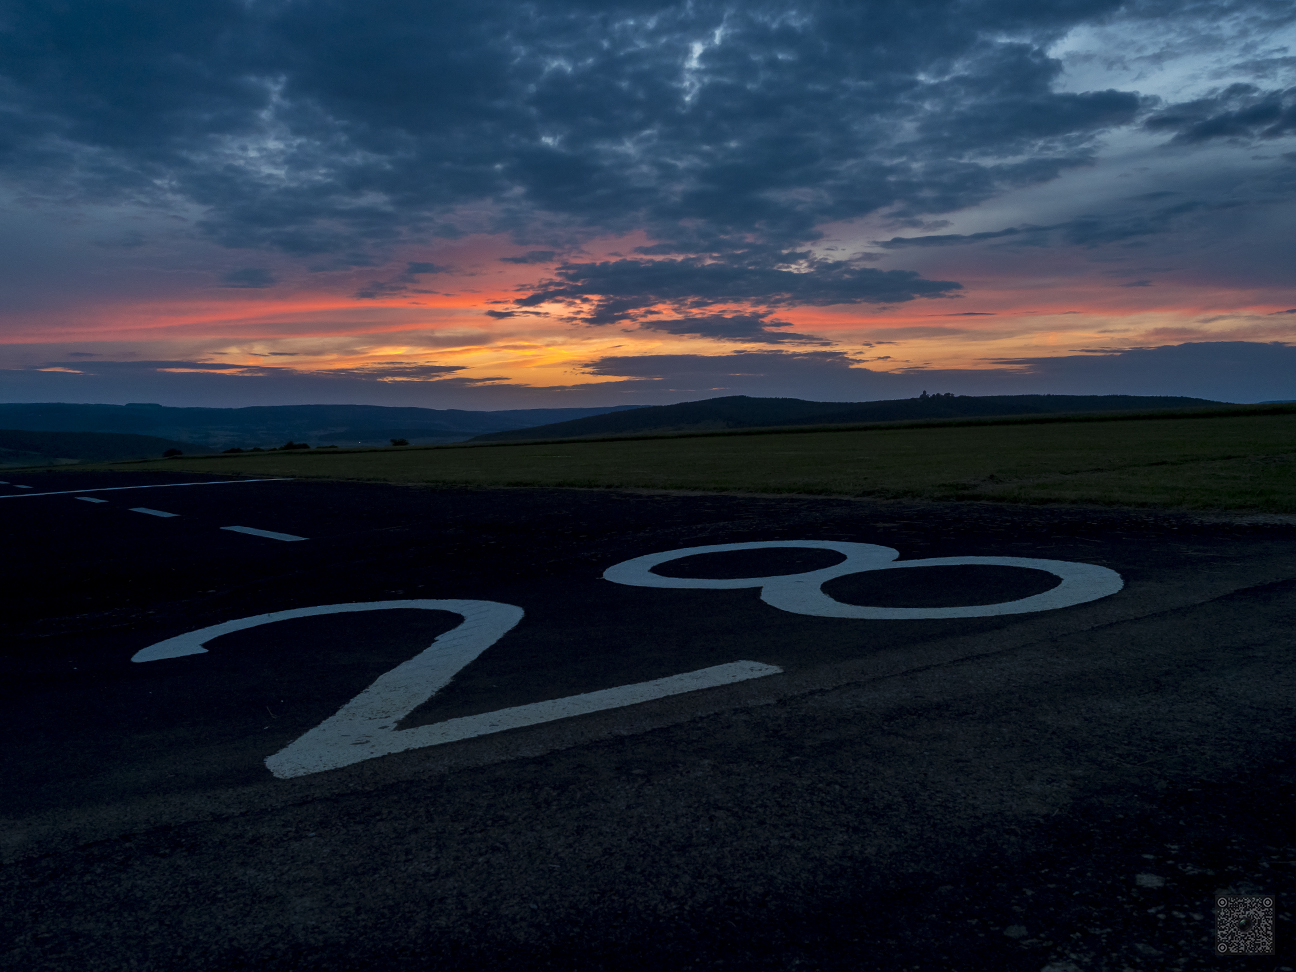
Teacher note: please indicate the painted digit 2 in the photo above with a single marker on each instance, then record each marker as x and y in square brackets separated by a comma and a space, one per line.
[366, 726]
[802, 593]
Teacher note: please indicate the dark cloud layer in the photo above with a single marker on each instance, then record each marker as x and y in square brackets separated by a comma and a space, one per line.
[1087, 231]
[1240, 111]
[611, 291]
[740, 364]
[531, 256]
[736, 327]
[334, 127]
[956, 239]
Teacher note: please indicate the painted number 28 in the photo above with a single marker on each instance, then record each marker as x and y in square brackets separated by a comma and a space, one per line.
[365, 727]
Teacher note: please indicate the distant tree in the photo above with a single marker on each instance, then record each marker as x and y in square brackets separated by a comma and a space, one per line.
[236, 449]
[400, 442]
[256, 449]
[290, 444]
[327, 447]
[172, 452]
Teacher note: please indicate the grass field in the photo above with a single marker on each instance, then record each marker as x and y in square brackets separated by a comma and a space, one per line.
[1245, 461]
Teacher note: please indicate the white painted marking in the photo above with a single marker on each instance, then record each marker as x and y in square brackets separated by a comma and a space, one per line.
[638, 572]
[90, 499]
[364, 728]
[1080, 583]
[802, 593]
[109, 489]
[145, 509]
[192, 642]
[253, 531]
[354, 735]
[16, 486]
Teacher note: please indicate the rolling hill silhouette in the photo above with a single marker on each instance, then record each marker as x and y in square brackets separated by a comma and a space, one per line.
[269, 425]
[742, 412]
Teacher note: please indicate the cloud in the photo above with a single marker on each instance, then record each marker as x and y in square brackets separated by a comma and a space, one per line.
[738, 363]
[378, 371]
[249, 277]
[738, 327]
[401, 371]
[957, 239]
[414, 269]
[332, 129]
[1240, 111]
[401, 284]
[532, 256]
[504, 315]
[99, 367]
[616, 290]
[1088, 231]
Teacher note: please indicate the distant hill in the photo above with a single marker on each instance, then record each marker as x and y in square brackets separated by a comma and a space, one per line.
[267, 426]
[20, 447]
[741, 412]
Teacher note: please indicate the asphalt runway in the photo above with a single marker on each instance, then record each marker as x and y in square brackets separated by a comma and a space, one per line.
[297, 725]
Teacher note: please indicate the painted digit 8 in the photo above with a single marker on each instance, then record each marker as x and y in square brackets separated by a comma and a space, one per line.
[802, 593]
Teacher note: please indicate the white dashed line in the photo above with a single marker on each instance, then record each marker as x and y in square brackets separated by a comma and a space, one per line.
[90, 499]
[263, 533]
[145, 509]
[16, 486]
[108, 489]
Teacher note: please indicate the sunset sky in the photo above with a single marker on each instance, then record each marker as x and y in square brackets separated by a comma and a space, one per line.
[505, 205]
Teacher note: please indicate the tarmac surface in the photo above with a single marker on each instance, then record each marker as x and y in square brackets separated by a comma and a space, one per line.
[461, 729]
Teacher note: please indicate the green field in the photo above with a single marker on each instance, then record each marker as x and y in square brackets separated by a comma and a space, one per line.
[1233, 461]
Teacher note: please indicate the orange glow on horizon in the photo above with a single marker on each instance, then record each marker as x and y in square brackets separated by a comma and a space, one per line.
[319, 323]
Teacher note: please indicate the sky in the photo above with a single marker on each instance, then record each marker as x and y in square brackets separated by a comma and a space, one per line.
[494, 205]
